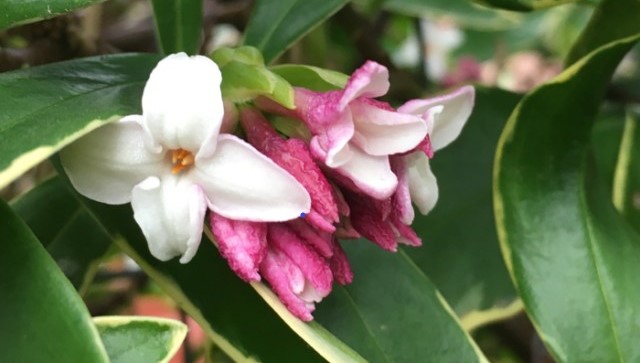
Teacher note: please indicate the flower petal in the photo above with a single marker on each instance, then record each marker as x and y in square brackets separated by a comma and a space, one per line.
[340, 264]
[314, 267]
[106, 164]
[372, 175]
[401, 199]
[383, 132]
[367, 219]
[422, 183]
[243, 244]
[370, 80]
[404, 233]
[448, 124]
[319, 240]
[333, 128]
[170, 213]
[182, 104]
[273, 269]
[242, 184]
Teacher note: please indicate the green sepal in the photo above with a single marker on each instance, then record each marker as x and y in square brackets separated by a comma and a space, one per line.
[245, 77]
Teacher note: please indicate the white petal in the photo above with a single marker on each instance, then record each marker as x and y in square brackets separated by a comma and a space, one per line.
[371, 174]
[170, 213]
[448, 124]
[241, 183]
[402, 195]
[182, 104]
[333, 143]
[381, 132]
[370, 80]
[106, 164]
[422, 183]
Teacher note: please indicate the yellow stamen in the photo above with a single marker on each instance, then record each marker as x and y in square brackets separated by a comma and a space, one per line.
[180, 158]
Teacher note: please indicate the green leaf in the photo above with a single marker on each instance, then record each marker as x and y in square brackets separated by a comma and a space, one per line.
[42, 317]
[465, 12]
[137, 339]
[572, 257]
[45, 108]
[314, 78]
[276, 25]
[71, 236]
[14, 12]
[611, 20]
[606, 138]
[393, 313]
[465, 263]
[244, 77]
[178, 24]
[626, 182]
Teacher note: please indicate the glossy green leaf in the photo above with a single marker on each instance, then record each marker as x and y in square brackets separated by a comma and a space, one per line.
[276, 25]
[178, 25]
[317, 79]
[465, 263]
[465, 12]
[611, 20]
[393, 313]
[138, 339]
[212, 300]
[14, 12]
[42, 317]
[45, 108]
[571, 256]
[71, 236]
[244, 77]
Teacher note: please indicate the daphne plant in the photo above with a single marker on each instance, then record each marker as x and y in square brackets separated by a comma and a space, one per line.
[295, 213]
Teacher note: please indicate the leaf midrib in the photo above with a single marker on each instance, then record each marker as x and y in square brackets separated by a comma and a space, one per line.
[364, 323]
[278, 23]
[591, 248]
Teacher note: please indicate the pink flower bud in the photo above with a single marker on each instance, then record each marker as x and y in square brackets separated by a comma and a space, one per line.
[296, 272]
[243, 244]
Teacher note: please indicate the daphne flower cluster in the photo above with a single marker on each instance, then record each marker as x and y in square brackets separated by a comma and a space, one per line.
[276, 205]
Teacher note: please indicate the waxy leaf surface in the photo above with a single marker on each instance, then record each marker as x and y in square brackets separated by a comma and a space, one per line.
[14, 12]
[570, 254]
[136, 339]
[42, 317]
[276, 25]
[45, 108]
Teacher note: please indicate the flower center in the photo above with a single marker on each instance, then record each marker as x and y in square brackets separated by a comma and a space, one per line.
[180, 158]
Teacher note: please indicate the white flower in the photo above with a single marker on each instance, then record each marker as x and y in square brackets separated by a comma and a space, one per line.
[171, 163]
[445, 117]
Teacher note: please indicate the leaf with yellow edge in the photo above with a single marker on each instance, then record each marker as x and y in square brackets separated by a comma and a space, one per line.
[570, 254]
[45, 108]
[140, 339]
